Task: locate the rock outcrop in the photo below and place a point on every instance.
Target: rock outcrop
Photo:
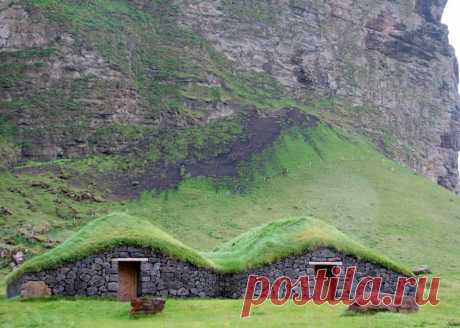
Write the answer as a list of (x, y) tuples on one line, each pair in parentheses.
[(80, 90)]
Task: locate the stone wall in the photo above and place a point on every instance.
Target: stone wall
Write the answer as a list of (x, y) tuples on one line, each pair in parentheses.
[(233, 286), (97, 275)]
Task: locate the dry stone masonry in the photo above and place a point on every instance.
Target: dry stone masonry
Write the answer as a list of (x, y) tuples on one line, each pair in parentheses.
[(98, 275)]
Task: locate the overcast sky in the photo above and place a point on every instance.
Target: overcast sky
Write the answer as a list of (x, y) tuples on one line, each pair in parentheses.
[(452, 19)]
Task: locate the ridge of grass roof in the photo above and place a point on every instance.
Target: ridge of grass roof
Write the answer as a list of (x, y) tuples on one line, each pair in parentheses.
[(292, 236), (259, 246), (113, 230)]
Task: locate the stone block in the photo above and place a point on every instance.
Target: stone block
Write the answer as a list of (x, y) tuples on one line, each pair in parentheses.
[(85, 277), (112, 287), (183, 292), (97, 281), (92, 291), (35, 289)]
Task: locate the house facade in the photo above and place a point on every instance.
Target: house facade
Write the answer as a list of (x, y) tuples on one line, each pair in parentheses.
[(127, 272)]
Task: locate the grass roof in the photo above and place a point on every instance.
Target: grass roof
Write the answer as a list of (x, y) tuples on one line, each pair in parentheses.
[(117, 229), (271, 242), (259, 246)]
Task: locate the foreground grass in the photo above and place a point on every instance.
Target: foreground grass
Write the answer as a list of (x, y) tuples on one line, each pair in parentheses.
[(209, 313)]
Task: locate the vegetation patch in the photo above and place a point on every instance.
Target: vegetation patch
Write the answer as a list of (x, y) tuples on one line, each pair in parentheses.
[(44, 209), (9, 151), (251, 10), (166, 60), (14, 64), (198, 142)]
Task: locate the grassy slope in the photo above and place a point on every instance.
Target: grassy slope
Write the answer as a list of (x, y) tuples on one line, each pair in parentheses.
[(45, 211), (347, 183), (259, 246)]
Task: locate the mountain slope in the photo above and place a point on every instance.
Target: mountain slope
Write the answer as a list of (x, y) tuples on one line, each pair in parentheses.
[(99, 77)]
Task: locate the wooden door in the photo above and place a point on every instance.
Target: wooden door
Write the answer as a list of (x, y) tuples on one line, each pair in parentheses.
[(328, 268), (128, 279)]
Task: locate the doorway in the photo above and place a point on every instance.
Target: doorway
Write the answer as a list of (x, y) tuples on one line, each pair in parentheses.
[(128, 280), (329, 274)]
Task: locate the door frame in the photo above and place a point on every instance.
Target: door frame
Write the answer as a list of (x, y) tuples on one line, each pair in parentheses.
[(328, 267), (135, 263)]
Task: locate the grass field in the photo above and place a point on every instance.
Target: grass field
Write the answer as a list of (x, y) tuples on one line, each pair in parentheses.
[(210, 313), (338, 178)]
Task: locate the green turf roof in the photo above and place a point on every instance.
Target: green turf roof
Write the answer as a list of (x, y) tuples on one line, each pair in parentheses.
[(117, 229), (271, 242), (259, 246)]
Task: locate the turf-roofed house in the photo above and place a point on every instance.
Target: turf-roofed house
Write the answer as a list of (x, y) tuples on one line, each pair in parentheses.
[(124, 256)]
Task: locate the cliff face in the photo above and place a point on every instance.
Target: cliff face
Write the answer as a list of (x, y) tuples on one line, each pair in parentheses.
[(136, 77), (387, 64), (55, 90)]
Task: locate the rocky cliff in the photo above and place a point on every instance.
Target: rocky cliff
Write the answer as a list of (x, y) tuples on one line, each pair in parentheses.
[(183, 88)]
